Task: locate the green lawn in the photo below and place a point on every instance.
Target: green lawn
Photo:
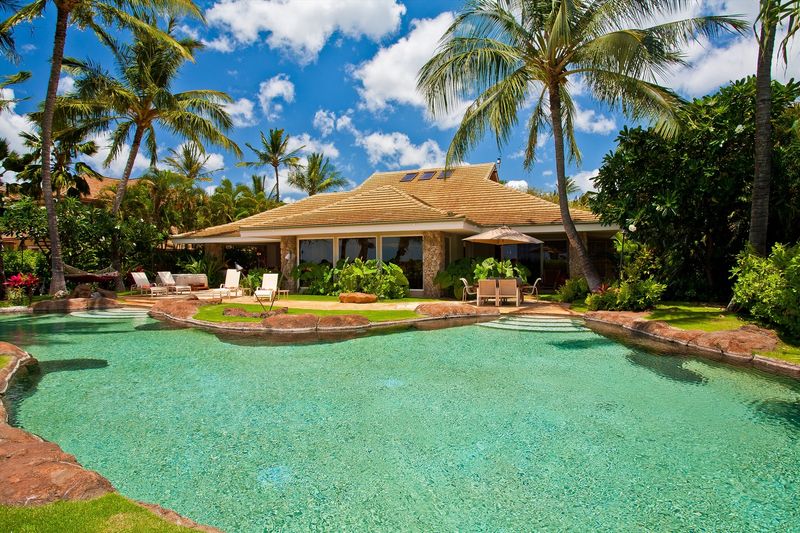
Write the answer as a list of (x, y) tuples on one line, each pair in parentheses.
[(213, 313), (108, 514), (685, 315), (4, 359)]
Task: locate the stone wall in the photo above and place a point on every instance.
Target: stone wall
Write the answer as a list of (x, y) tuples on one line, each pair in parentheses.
[(288, 246), (432, 261)]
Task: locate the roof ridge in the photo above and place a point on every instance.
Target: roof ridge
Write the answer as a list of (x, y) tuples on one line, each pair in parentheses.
[(411, 197)]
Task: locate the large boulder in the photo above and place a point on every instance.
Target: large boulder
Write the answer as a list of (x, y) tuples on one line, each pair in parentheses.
[(306, 322), (69, 305), (444, 310), (35, 472), (342, 321), (357, 298), (82, 290), (176, 307), (746, 340)]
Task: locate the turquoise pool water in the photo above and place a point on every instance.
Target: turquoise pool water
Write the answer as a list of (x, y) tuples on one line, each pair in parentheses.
[(464, 429)]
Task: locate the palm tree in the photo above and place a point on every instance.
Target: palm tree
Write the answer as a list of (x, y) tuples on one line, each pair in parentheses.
[(512, 52), (276, 154), (771, 15), (141, 98), (191, 161), (318, 175), (94, 15)]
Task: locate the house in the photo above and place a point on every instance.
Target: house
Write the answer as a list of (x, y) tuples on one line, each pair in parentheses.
[(418, 220)]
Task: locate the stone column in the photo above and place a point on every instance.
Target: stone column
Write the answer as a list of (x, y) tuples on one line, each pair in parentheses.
[(288, 247), (215, 250), (574, 265), (432, 261)]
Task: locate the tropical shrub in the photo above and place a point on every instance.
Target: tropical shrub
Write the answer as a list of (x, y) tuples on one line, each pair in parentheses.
[(386, 280), (450, 277), (210, 265), (492, 268), (768, 288), (572, 290), (316, 278), (629, 295), (27, 262), (21, 286)]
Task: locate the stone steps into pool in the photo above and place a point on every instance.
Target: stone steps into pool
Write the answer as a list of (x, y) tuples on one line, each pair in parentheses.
[(114, 313), (540, 324)]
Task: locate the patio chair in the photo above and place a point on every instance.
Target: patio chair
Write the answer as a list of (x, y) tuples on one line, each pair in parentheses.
[(231, 285), (508, 289), (469, 290), (169, 282), (143, 285), (487, 290), (268, 289), (531, 290)]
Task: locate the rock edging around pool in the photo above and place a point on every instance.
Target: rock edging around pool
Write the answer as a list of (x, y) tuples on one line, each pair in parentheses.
[(731, 346), (182, 311), (34, 471)]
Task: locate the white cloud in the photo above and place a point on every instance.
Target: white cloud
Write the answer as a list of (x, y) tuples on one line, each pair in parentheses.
[(592, 122), (277, 87), (66, 84), (310, 145), (390, 76), (547, 173), (585, 179), (188, 31), (222, 43), (325, 122), (26, 48), (117, 166), (241, 112), (210, 189), (396, 150), (345, 123), (12, 124), (301, 28), (216, 161), (519, 185)]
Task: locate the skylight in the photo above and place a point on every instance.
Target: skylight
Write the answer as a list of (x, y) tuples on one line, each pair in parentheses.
[(427, 175), (445, 174), (408, 177)]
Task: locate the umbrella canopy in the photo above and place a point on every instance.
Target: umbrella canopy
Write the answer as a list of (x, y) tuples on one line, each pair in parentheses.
[(503, 235)]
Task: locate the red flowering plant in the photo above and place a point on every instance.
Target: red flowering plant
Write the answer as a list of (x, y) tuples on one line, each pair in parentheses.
[(21, 285)]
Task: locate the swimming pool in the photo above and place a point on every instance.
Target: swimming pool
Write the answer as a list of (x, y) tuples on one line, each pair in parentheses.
[(465, 428)]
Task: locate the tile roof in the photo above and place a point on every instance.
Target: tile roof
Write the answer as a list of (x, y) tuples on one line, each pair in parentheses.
[(470, 192)]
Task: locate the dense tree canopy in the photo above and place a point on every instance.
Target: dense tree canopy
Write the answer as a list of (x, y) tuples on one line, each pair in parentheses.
[(689, 197)]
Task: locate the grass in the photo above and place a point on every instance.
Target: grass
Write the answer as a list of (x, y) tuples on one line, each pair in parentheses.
[(213, 313), (4, 359), (108, 514), (696, 316)]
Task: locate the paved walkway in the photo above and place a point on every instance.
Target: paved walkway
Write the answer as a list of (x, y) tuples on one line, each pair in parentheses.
[(528, 307)]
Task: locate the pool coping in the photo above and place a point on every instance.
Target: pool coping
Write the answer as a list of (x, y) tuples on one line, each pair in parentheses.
[(23, 361), (648, 339)]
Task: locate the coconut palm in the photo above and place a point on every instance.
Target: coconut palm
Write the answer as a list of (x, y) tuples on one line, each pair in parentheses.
[(275, 152), (317, 175), (505, 55), (191, 161), (85, 14), (140, 98)]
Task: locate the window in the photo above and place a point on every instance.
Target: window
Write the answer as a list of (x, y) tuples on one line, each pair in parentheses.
[(363, 248), (427, 175), (556, 263), (408, 177), (316, 251), (445, 174), (405, 252)]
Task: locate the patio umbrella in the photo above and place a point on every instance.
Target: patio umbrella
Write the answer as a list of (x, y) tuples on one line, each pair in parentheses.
[(503, 235)]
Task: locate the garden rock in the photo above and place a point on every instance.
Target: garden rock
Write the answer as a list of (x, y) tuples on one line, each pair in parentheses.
[(456, 309), (84, 290), (291, 322), (178, 308), (357, 298), (342, 321), (69, 305)]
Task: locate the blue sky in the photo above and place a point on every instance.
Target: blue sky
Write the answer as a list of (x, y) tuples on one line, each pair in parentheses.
[(339, 76)]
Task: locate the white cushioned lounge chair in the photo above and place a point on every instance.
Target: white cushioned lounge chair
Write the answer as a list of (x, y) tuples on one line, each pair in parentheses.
[(143, 285), (169, 282)]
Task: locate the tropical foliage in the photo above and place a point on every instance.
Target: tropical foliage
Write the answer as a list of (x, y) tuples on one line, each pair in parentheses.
[(633, 295), (513, 52), (275, 152), (475, 268), (386, 280), (317, 175), (689, 197), (768, 288)]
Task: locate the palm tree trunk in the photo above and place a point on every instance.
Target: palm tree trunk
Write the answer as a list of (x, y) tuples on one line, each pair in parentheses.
[(57, 282), (126, 175), (759, 210), (589, 271), (277, 185)]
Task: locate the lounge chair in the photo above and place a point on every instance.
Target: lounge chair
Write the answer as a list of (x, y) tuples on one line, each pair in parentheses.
[(531, 290), (169, 282), (231, 285), (143, 285), (469, 290), (268, 289), (509, 289), (487, 290)]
